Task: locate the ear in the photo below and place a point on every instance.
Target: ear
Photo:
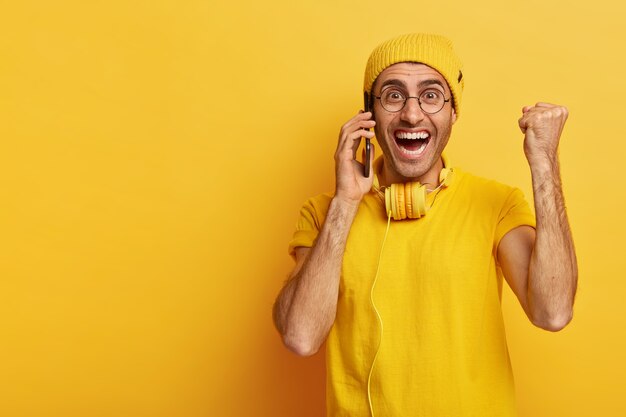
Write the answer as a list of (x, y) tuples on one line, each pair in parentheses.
[(453, 116)]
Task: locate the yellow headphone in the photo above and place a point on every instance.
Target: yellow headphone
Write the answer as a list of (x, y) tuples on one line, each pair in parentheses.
[(408, 201)]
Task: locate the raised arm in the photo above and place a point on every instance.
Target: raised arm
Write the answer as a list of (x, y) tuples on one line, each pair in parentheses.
[(305, 308), (541, 266)]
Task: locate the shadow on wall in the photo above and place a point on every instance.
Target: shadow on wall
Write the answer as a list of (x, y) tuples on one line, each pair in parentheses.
[(285, 384), (296, 384)]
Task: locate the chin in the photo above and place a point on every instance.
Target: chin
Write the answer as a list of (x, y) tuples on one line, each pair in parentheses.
[(413, 175), (413, 168), (409, 170)]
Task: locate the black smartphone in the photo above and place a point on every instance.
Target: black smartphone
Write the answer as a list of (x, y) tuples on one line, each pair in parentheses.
[(366, 163)]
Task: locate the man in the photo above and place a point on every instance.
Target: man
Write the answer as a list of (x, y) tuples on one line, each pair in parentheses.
[(410, 309)]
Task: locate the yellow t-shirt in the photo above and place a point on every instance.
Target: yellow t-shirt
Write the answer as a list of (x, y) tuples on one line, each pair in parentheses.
[(443, 349)]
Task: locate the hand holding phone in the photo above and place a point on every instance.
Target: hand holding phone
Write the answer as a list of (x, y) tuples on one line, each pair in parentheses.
[(368, 145), (353, 179)]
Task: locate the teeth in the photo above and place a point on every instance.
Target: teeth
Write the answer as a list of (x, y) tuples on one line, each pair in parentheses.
[(414, 135), (416, 152)]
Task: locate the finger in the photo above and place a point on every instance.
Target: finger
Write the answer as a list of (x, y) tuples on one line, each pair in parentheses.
[(363, 121), (367, 124), (548, 111), (543, 104), (351, 143), (358, 121), (526, 108), (522, 124), (353, 126), (348, 137), (361, 115), (356, 142)]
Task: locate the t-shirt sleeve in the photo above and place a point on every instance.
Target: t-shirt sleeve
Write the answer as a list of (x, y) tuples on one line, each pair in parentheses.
[(515, 212), (312, 215)]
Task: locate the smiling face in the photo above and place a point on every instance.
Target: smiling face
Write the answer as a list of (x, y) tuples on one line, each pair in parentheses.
[(411, 140)]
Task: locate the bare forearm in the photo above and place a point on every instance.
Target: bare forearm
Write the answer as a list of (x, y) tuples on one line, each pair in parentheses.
[(305, 309), (553, 271)]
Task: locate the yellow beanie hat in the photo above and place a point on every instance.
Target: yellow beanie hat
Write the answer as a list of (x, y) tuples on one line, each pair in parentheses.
[(435, 51)]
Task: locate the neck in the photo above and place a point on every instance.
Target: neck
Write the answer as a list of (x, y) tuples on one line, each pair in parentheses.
[(388, 176)]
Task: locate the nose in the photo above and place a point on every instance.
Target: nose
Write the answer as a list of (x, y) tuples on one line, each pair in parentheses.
[(412, 112)]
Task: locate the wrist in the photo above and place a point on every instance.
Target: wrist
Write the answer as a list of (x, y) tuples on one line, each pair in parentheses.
[(345, 204), (541, 164), (545, 175), (347, 199)]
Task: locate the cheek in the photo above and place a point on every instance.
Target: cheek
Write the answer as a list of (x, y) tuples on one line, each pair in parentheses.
[(381, 132), (382, 123), (382, 138), (378, 133)]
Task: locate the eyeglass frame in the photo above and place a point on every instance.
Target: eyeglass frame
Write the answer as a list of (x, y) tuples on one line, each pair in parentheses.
[(419, 102)]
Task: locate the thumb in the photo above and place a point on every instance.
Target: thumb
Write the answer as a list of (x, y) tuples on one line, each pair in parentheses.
[(522, 124)]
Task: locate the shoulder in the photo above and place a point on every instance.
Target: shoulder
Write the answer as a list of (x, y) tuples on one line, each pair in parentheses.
[(316, 208), (481, 186), (312, 216), (321, 201), (489, 196)]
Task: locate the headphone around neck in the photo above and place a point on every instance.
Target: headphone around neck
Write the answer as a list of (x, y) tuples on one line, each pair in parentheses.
[(409, 200)]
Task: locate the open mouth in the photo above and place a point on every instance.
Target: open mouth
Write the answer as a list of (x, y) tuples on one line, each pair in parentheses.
[(412, 143)]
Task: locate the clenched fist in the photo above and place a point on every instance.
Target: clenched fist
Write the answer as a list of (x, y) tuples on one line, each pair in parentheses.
[(542, 124)]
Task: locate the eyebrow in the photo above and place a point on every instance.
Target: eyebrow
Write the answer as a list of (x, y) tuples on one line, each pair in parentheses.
[(422, 84)]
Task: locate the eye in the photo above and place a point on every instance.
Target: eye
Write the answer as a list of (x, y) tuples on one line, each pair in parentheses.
[(393, 96), (431, 96)]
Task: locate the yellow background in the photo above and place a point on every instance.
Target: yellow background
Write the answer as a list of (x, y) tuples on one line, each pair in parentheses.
[(154, 155)]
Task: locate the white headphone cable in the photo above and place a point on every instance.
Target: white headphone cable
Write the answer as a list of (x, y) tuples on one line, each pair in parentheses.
[(380, 255)]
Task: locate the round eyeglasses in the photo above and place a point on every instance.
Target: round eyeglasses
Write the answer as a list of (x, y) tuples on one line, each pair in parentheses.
[(430, 101)]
